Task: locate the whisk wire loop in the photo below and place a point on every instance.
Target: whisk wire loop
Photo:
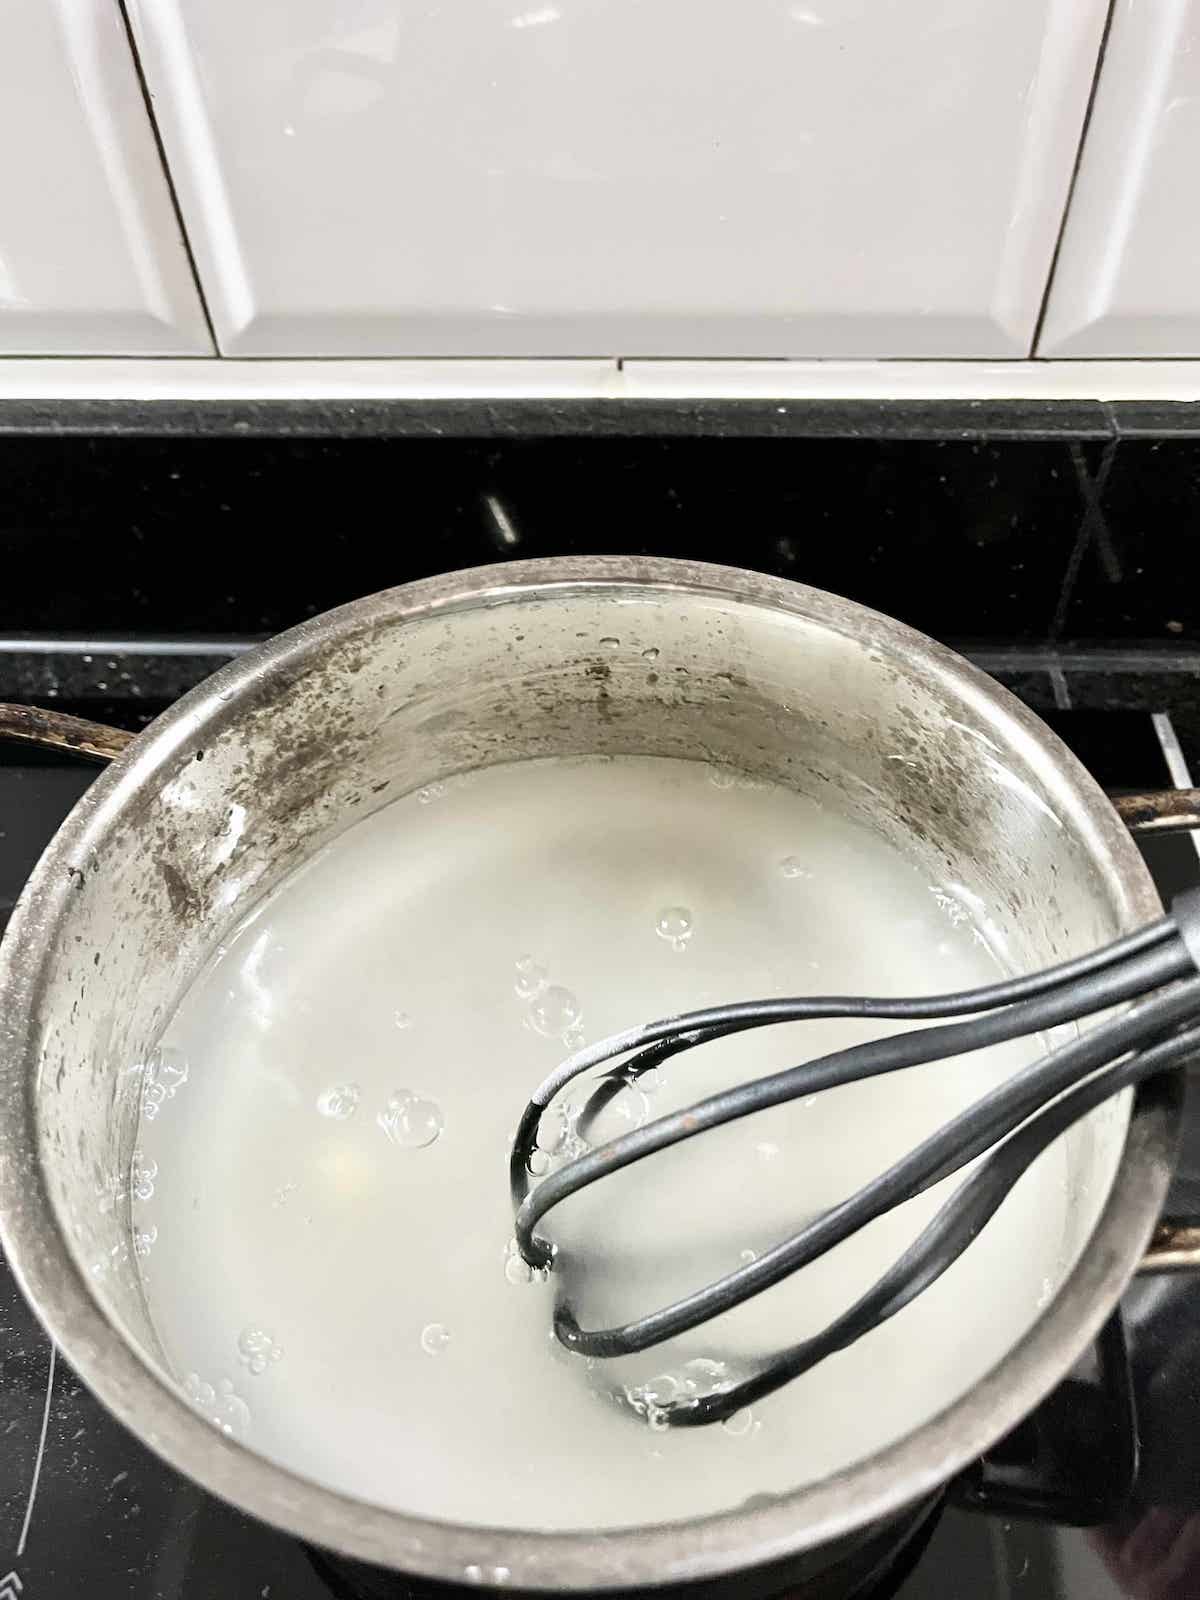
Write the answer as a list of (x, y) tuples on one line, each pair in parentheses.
[(1155, 968)]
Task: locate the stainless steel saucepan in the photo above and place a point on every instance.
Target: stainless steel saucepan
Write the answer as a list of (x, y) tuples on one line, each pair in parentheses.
[(260, 766)]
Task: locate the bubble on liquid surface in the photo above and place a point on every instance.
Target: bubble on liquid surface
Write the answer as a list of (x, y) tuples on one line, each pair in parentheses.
[(257, 1350), (704, 1376), (232, 1414), (740, 1424), (643, 1398), (627, 1110), (518, 1271), (402, 1019), (698, 1378), (793, 867), (661, 1390), (226, 1410), (142, 1175), (164, 1073), (143, 1243), (539, 1163), (531, 978), (554, 1012), (650, 1081), (434, 1338), (430, 793), (722, 778), (339, 1101), (410, 1121), (651, 652), (747, 1256), (572, 1143), (552, 1131), (609, 643), (674, 924), (198, 1392)]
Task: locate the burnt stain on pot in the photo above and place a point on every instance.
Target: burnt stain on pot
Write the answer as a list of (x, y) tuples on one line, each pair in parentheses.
[(600, 672), (186, 904)]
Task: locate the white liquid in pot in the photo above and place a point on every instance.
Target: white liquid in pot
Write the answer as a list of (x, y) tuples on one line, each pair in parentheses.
[(321, 1205)]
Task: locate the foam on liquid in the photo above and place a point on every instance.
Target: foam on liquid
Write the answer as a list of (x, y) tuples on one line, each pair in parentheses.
[(321, 1171)]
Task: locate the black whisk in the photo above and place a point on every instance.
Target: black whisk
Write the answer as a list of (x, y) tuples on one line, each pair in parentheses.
[(1157, 967)]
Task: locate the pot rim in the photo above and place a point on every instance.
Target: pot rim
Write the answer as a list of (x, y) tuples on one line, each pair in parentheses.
[(833, 1508)]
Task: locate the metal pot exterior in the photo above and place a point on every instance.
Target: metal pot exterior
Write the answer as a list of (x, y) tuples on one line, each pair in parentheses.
[(287, 746)]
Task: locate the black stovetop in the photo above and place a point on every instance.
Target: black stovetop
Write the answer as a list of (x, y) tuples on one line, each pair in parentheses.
[(85, 1510)]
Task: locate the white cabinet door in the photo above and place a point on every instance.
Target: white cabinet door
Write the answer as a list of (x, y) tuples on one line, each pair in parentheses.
[(1127, 281), (91, 257), (622, 177)]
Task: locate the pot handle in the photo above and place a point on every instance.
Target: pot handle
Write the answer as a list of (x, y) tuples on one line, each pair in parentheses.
[(1161, 811), (1175, 1245), (58, 731)]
